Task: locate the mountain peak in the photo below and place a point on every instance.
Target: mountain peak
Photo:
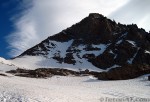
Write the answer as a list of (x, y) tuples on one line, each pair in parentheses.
[(98, 40), (95, 15), (95, 26)]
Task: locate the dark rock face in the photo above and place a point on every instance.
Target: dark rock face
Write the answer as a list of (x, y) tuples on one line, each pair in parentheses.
[(1, 74), (149, 78), (69, 59), (103, 61), (99, 40), (123, 73)]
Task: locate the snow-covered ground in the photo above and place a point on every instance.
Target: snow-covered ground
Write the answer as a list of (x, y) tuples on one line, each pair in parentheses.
[(68, 88)]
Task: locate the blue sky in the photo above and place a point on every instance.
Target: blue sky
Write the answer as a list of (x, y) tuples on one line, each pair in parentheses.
[(25, 23), (8, 9)]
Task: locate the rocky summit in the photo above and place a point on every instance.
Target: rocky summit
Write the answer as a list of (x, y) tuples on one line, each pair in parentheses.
[(100, 41)]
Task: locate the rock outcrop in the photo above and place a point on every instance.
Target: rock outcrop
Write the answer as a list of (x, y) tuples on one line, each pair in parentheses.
[(49, 72), (123, 73)]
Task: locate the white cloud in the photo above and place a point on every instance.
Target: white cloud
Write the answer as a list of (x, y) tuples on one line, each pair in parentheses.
[(48, 17), (135, 11)]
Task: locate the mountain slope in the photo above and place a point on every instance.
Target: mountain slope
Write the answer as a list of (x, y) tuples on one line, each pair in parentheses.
[(97, 41), (6, 65)]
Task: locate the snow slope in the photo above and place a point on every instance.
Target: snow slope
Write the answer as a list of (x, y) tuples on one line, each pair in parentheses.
[(43, 56), (6, 65), (70, 89), (4, 61), (34, 62)]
